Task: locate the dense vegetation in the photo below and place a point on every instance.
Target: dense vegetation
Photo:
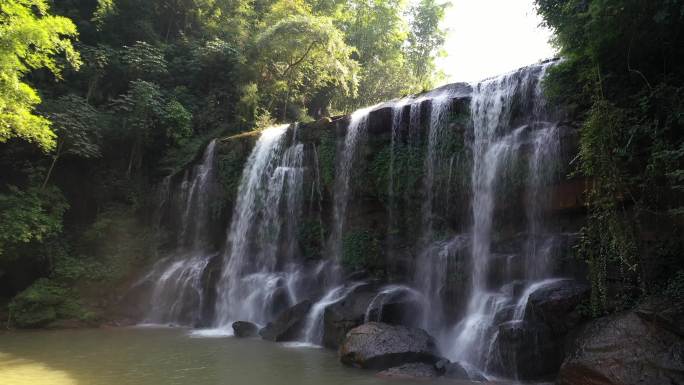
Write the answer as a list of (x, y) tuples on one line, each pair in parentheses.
[(99, 98), (623, 77)]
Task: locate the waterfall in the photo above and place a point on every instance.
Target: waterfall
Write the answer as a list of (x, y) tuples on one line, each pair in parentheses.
[(439, 110), (509, 124), (259, 276), (177, 295), (313, 329), (356, 133), (388, 293)]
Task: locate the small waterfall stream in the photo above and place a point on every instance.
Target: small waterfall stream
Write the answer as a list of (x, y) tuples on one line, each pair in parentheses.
[(177, 296), (259, 278), (356, 133)]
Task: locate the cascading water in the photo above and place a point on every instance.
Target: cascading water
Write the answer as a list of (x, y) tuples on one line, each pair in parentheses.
[(177, 296), (356, 133), (313, 329), (374, 311), (355, 136), (501, 140), (259, 277)]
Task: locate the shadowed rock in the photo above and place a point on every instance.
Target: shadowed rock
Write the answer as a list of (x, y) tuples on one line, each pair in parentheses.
[(288, 325), (624, 349), (555, 305), (381, 346), (244, 329)]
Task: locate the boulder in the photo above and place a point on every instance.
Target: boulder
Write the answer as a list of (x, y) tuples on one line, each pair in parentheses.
[(665, 312), (410, 371), (346, 314), (244, 329), (376, 345), (288, 324), (342, 316), (555, 305), (624, 349), (525, 350), (452, 370)]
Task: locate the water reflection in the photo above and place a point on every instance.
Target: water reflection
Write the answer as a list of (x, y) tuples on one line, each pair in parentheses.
[(20, 371)]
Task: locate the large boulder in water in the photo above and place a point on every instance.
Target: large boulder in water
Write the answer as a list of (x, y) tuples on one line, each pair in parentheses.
[(342, 316), (555, 305), (244, 329), (288, 325), (453, 370), (376, 345), (624, 349)]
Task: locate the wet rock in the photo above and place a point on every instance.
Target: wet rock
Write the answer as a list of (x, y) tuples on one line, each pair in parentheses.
[(411, 371), (624, 349), (376, 345), (665, 312), (524, 350), (288, 325), (342, 316), (452, 370), (397, 309), (555, 305), (244, 329)]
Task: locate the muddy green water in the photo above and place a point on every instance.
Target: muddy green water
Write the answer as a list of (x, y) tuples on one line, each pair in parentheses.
[(134, 356)]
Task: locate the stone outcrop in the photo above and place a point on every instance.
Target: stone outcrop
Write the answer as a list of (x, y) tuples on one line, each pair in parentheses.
[(624, 349), (555, 305), (287, 326), (340, 317), (377, 345), (244, 329)]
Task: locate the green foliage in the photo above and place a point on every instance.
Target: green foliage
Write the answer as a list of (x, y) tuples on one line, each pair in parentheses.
[(405, 174), (622, 76), (675, 287), (143, 60), (229, 163), (30, 216), (311, 237), (30, 38), (76, 124), (426, 40), (302, 53), (45, 302), (360, 249), (118, 242), (326, 158)]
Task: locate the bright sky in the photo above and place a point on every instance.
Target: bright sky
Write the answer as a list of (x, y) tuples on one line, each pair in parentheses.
[(490, 37)]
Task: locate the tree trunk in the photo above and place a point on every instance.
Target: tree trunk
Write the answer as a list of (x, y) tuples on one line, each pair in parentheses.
[(52, 166)]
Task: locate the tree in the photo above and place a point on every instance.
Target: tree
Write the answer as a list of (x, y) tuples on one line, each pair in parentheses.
[(425, 40), (30, 215), (30, 38), (301, 54), (76, 124)]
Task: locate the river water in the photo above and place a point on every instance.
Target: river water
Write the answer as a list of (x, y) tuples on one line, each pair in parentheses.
[(156, 356)]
